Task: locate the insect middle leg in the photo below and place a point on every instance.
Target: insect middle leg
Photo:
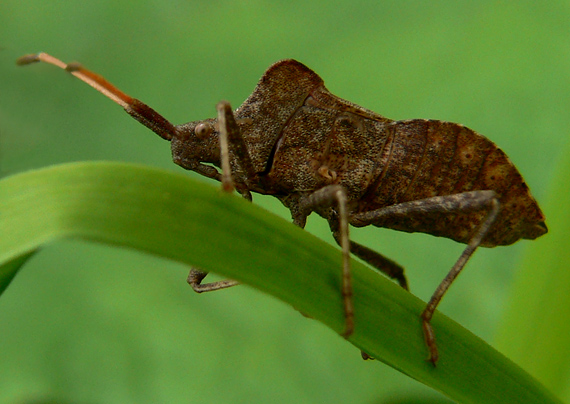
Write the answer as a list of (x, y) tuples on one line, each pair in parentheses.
[(373, 258), (323, 199), (457, 203)]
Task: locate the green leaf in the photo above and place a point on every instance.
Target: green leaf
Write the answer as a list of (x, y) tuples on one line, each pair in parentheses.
[(175, 217), (536, 331)]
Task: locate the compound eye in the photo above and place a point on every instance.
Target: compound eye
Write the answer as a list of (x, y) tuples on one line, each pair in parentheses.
[(202, 130)]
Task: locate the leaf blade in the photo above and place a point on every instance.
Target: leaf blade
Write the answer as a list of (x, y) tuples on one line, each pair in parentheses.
[(535, 332), (166, 214)]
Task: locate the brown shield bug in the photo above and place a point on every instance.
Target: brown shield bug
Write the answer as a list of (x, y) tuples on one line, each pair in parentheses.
[(316, 152)]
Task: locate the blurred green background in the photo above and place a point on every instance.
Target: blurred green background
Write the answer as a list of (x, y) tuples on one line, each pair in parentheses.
[(85, 323)]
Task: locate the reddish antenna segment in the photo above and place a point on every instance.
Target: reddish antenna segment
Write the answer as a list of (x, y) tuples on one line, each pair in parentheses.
[(137, 109)]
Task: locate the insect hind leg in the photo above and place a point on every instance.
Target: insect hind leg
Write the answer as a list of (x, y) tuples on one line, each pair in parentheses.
[(452, 204), (472, 245)]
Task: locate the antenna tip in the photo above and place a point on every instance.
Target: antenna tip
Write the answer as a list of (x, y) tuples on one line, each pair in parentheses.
[(28, 59)]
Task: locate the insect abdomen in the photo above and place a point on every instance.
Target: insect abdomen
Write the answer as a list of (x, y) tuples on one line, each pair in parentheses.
[(426, 158)]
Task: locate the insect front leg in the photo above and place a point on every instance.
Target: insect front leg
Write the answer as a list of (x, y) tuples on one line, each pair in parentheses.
[(327, 197), (233, 153), (457, 203), (195, 280)]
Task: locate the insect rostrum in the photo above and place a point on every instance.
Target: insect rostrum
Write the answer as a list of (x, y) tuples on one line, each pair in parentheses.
[(316, 152)]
